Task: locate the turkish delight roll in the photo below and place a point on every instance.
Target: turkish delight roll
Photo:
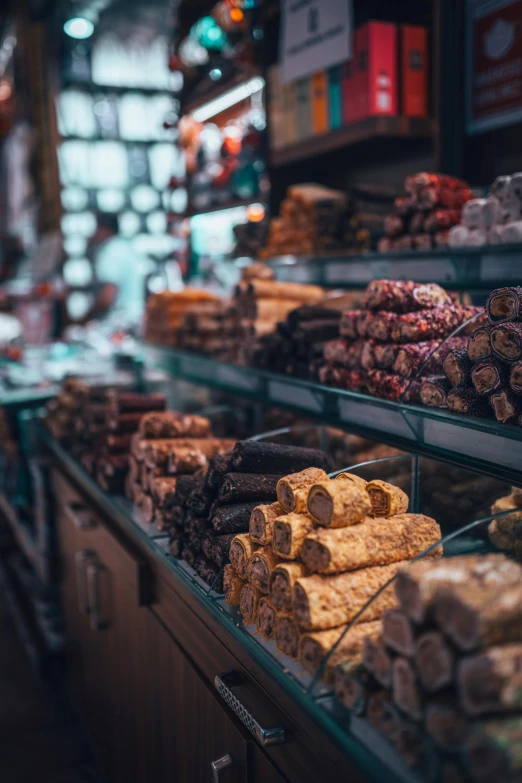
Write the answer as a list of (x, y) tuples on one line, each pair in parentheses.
[(232, 585), (385, 355), (457, 367), (426, 357), (328, 601), (491, 681), (378, 660), (287, 635), (403, 296), (241, 550), (171, 424), (431, 324), (266, 618), (392, 387), (386, 499), (398, 633), (504, 304), (348, 324), (218, 467), (381, 325), (466, 400), (289, 533), (260, 566), (506, 405), (489, 375), (249, 603), (292, 491), (232, 519), (261, 526), (515, 378), (281, 584), (479, 343), (370, 543), (434, 391), (242, 487), (220, 548), (406, 692), (338, 503), (250, 456), (315, 645), (506, 341), (434, 661)]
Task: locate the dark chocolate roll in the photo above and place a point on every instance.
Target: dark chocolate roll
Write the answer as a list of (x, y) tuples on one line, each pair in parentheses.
[(185, 485), (504, 304), (195, 529), (234, 518), (188, 554), (506, 405), (466, 400), (217, 468), (515, 378), (506, 341), (313, 331), (457, 367), (124, 423), (199, 501), (130, 402), (311, 313), (176, 543), (434, 391), (250, 456), (220, 548), (479, 343), (489, 375), (242, 487)]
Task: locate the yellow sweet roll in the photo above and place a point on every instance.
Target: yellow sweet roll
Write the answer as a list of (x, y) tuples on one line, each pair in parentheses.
[(289, 533), (314, 646), (338, 503), (241, 550), (386, 500), (232, 585), (357, 480), (371, 543), (262, 522), (249, 603), (259, 568), (281, 585), (292, 490)]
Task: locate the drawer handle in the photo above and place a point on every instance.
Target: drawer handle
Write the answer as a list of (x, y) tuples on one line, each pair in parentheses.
[(93, 571), (80, 559), (79, 516), (265, 736), (225, 762)]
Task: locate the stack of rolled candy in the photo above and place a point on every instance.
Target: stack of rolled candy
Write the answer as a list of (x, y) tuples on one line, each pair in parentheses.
[(388, 348), (164, 313), (311, 562), (486, 376), (494, 220), (440, 680), (211, 509), (505, 532), (422, 219)]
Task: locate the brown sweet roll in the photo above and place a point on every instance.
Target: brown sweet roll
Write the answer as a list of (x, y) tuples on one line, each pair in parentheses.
[(504, 304), (175, 543), (232, 585), (370, 543), (188, 554), (113, 444), (343, 353), (209, 573), (125, 423), (200, 501), (206, 543), (249, 603), (232, 519), (391, 387), (386, 500), (322, 602), (281, 585), (465, 400), (266, 618), (380, 325), (130, 402), (171, 424), (287, 635), (243, 487), (251, 456), (445, 723), (260, 566), (427, 357), (218, 467), (353, 685), (292, 490), (515, 378), (509, 524), (367, 360), (339, 378), (398, 633), (434, 391), (434, 661), (157, 453), (431, 324), (506, 341), (457, 367), (403, 296), (261, 525), (290, 531), (405, 688), (220, 548), (163, 490), (416, 584), (479, 343), (506, 405), (241, 550), (348, 324), (382, 714), (415, 750), (195, 529), (378, 660), (491, 681), (315, 645), (489, 375), (338, 503), (385, 355), (358, 481)]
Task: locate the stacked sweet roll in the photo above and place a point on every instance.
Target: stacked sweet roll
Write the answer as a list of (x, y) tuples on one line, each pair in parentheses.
[(385, 345), (164, 313), (441, 678)]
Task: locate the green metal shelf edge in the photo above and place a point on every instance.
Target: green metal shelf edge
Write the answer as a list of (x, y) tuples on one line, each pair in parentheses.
[(357, 752), (26, 397), (477, 444)]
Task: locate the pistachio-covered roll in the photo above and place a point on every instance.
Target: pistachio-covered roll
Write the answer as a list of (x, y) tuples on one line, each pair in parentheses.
[(287, 635), (266, 618), (292, 490), (249, 603), (260, 566), (314, 646), (241, 550), (386, 500), (289, 533), (338, 503), (261, 527), (232, 585), (281, 584)]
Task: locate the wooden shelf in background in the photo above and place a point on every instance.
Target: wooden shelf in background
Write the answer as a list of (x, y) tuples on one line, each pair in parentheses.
[(355, 133)]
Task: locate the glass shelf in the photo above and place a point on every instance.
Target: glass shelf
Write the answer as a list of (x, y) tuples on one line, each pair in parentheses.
[(479, 444), (487, 267)]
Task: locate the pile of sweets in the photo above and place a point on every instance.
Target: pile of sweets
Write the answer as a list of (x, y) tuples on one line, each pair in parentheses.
[(505, 532), (384, 346), (423, 218), (494, 220), (312, 560), (485, 376), (164, 313), (314, 220), (205, 512), (441, 678)]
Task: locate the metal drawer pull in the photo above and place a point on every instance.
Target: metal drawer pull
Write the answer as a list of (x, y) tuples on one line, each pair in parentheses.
[(266, 736), (80, 559), (93, 571), (79, 516), (216, 766)]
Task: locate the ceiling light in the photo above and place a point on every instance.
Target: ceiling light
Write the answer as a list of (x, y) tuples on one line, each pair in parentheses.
[(228, 99), (79, 27), (215, 74)]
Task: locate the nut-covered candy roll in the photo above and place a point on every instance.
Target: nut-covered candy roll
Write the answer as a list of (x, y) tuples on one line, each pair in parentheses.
[(328, 601), (352, 686), (348, 324), (466, 400), (171, 424), (515, 378), (381, 325), (385, 355), (261, 526), (391, 387), (287, 635), (489, 375), (244, 487), (220, 548), (504, 304), (434, 391), (232, 519), (232, 585), (457, 367), (292, 491), (281, 584), (372, 542), (431, 324), (403, 296), (506, 405), (386, 500), (479, 343), (338, 503), (250, 456), (259, 568), (510, 524), (241, 550), (289, 533), (314, 646), (426, 357), (266, 618), (506, 342), (249, 603)]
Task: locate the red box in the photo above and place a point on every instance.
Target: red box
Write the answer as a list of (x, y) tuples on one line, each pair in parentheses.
[(376, 74), (348, 84), (414, 71)]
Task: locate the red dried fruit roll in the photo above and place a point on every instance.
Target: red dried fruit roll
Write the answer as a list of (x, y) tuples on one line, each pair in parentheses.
[(344, 353), (385, 355), (479, 343), (489, 375), (430, 197), (515, 378), (368, 355), (363, 322), (506, 405), (403, 205), (504, 304), (394, 225), (339, 378), (457, 367), (348, 324), (434, 391), (441, 220), (412, 356), (422, 179), (431, 324), (506, 341), (416, 223), (392, 387), (403, 296), (379, 325), (466, 400)]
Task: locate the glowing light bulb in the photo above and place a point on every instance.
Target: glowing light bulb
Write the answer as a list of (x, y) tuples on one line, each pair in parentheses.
[(79, 27)]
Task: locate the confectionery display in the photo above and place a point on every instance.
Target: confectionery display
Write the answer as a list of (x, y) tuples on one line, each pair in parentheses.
[(314, 219), (164, 313), (423, 218), (493, 220)]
